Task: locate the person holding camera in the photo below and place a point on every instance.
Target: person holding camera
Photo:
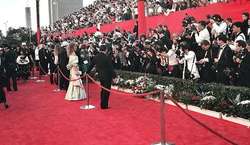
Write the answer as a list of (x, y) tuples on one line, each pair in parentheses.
[(218, 25), (202, 32), (240, 54), (190, 70), (206, 62)]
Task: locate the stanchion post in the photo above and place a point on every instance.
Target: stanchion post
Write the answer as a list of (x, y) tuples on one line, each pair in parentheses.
[(33, 73), (88, 106), (162, 122), (40, 78)]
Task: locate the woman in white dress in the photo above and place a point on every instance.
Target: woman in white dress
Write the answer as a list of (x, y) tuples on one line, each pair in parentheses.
[(75, 90)]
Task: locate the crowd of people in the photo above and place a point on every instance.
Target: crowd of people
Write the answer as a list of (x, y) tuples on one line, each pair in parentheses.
[(213, 50), (108, 11)]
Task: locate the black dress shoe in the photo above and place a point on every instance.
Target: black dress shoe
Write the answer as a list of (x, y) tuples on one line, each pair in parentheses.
[(104, 107), (6, 106)]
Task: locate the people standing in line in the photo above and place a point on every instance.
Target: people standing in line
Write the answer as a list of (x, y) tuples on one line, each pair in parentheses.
[(3, 80), (75, 90), (104, 68), (11, 68)]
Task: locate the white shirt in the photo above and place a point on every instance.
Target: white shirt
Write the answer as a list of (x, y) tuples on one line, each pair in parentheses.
[(172, 60), (219, 28), (37, 53), (190, 58), (203, 35)]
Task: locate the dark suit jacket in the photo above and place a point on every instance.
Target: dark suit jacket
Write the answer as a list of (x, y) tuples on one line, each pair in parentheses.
[(244, 79), (226, 59), (104, 66)]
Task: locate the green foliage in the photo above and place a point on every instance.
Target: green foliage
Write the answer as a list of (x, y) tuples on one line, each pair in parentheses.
[(185, 91)]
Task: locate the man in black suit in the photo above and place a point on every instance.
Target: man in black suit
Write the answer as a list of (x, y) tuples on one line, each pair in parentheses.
[(62, 62), (104, 68), (206, 62), (2, 80), (224, 61), (11, 68), (244, 70), (43, 57)]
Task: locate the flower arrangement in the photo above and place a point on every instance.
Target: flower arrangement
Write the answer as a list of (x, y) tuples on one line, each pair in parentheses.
[(168, 90), (143, 84)]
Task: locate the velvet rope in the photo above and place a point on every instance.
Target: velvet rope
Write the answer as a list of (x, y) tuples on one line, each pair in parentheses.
[(202, 124), (42, 69), (121, 92), (69, 78)]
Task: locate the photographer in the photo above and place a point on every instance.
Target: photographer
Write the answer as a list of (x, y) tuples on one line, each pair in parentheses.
[(206, 62), (218, 26), (240, 54), (190, 70), (202, 32)]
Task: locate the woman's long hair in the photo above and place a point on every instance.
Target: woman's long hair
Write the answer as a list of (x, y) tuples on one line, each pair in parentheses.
[(71, 49), (56, 50)]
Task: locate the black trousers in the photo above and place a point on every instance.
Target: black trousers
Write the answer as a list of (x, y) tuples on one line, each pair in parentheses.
[(105, 82), (64, 83), (11, 74), (2, 95)]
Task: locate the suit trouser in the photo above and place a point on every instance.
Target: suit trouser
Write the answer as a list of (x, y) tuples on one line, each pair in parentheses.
[(11, 75), (2, 95), (105, 82)]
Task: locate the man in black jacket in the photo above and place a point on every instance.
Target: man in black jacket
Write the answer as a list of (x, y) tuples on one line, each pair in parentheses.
[(244, 70), (224, 61), (11, 68), (104, 68), (2, 80)]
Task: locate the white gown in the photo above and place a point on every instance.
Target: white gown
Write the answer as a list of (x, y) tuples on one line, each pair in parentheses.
[(75, 90)]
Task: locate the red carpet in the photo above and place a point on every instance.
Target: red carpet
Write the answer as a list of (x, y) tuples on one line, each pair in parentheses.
[(38, 116)]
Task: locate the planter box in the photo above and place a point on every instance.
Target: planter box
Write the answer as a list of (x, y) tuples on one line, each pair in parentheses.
[(210, 113)]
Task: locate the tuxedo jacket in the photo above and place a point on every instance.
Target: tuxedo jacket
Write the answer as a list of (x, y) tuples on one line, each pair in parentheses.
[(244, 71), (226, 59), (103, 65)]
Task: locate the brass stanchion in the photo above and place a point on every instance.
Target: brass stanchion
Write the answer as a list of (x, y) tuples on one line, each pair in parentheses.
[(163, 121), (88, 106), (40, 77)]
